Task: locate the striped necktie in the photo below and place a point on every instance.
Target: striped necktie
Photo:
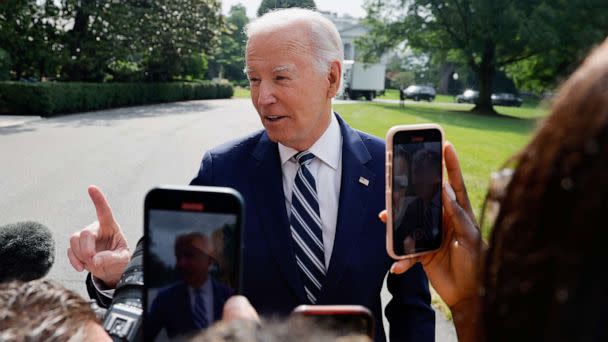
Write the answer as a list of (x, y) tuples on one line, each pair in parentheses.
[(306, 228), (199, 315)]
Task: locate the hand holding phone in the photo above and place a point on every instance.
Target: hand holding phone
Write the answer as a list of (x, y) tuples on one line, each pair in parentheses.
[(413, 190), (454, 269)]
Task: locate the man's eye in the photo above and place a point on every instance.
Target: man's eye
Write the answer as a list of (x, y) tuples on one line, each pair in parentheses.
[(281, 78), (254, 80)]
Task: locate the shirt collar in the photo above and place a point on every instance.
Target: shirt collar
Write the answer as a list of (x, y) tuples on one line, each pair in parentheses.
[(327, 148), (206, 287)]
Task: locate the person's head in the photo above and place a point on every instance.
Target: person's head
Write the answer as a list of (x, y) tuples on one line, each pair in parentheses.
[(401, 178), (426, 173), (294, 64), (194, 254), (547, 252), (43, 310)]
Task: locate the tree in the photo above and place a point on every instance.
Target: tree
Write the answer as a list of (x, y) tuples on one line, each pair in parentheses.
[(487, 35), (29, 35), (159, 38), (171, 31), (269, 5), (581, 25), (228, 59), (95, 38)]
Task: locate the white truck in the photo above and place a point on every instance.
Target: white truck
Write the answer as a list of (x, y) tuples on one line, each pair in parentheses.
[(361, 79)]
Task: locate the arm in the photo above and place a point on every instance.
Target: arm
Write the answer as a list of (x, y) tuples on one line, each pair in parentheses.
[(409, 312), (103, 298), (205, 172)]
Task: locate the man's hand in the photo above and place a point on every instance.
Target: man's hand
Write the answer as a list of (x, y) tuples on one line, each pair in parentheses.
[(100, 247)]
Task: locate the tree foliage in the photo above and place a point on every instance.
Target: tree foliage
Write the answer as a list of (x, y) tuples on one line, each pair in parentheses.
[(29, 34), (91, 40), (269, 5), (488, 35), (228, 59)]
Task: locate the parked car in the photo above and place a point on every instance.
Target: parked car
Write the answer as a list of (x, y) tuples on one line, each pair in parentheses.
[(419, 92), (506, 99), (469, 96)]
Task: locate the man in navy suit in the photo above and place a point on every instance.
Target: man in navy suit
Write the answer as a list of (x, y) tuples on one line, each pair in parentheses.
[(313, 187), (177, 307)]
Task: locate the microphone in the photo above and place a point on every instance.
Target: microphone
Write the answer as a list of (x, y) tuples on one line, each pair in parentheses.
[(27, 251)]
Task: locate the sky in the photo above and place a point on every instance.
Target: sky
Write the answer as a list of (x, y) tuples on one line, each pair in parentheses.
[(165, 226), (352, 7)]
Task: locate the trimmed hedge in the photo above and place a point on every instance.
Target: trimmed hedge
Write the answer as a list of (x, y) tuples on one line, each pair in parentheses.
[(48, 98)]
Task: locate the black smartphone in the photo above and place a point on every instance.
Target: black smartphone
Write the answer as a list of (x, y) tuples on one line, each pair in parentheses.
[(342, 319), (414, 179), (192, 258)]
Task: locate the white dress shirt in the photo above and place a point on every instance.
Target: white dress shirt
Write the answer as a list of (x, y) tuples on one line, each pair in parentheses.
[(326, 168), (207, 296)]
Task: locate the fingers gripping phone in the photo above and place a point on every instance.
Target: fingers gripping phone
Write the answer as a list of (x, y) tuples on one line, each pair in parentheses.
[(192, 258), (342, 319), (414, 175)]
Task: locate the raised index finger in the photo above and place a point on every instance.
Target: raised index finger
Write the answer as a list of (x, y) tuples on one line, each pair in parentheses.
[(104, 212)]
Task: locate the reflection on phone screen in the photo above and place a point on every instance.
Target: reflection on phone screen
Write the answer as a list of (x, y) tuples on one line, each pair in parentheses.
[(416, 192), (190, 261)]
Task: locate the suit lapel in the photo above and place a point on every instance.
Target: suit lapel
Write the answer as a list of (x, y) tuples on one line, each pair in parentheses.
[(352, 207), (267, 180)]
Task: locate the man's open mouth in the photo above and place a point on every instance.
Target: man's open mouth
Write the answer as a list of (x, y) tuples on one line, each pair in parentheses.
[(273, 118)]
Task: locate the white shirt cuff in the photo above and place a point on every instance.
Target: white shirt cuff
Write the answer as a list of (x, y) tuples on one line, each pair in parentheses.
[(100, 287)]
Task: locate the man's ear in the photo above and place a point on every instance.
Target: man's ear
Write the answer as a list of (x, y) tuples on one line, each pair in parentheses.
[(334, 77)]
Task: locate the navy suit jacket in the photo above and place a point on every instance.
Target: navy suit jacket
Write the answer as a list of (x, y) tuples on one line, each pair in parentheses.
[(359, 261), (172, 310)]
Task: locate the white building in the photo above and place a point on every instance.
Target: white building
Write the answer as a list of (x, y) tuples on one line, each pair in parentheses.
[(350, 28)]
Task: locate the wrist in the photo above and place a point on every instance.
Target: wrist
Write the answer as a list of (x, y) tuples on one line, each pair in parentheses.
[(467, 320), (105, 284)]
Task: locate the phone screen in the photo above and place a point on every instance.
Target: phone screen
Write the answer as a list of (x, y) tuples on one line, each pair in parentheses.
[(191, 263), (341, 319), (416, 191)]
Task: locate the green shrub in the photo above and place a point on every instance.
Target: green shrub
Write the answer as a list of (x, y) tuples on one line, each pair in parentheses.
[(48, 98)]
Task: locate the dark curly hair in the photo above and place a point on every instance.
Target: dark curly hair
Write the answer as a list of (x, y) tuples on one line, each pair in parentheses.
[(543, 272)]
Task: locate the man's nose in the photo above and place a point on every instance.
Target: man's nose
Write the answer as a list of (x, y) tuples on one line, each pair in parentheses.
[(266, 94)]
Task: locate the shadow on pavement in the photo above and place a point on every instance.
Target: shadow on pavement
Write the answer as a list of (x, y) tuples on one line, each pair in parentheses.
[(111, 117)]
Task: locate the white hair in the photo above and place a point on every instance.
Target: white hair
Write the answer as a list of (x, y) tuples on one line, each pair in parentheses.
[(324, 37)]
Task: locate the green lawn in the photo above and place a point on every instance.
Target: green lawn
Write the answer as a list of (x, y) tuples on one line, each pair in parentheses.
[(393, 94), (483, 143), (240, 92)]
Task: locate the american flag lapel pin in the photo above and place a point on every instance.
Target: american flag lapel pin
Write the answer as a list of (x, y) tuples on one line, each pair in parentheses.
[(364, 181)]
